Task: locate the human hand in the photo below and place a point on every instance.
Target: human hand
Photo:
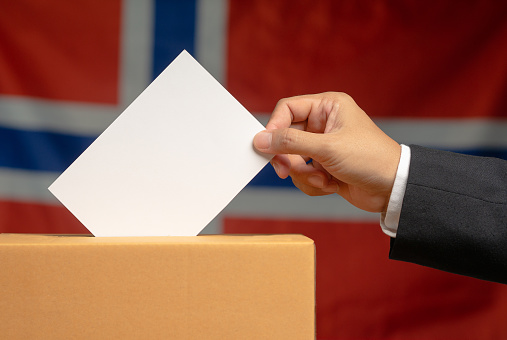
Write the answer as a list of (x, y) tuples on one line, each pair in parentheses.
[(349, 154)]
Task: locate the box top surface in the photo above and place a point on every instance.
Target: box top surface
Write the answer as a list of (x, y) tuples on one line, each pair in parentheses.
[(41, 239)]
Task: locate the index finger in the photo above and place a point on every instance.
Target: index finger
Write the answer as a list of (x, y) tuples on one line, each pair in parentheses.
[(291, 110)]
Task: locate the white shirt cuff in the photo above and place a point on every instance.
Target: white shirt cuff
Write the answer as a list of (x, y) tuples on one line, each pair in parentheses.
[(389, 220)]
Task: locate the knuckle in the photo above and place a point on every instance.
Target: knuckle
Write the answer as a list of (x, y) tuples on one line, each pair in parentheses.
[(304, 188), (282, 102), (342, 96), (338, 98), (288, 137)]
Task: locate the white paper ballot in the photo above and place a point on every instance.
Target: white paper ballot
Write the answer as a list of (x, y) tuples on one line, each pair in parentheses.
[(169, 163)]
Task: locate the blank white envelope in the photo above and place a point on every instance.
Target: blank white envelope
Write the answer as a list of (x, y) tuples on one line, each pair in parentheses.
[(169, 163)]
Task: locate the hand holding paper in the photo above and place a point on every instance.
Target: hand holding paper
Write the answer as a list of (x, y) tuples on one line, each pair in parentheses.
[(345, 146)]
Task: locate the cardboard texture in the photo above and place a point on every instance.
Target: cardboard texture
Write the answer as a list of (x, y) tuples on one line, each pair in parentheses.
[(204, 287)]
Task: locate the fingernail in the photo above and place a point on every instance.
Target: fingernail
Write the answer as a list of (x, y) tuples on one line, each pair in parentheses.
[(316, 181), (331, 187), (262, 140), (275, 166)]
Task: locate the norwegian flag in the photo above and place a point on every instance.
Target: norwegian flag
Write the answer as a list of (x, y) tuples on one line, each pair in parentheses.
[(433, 74)]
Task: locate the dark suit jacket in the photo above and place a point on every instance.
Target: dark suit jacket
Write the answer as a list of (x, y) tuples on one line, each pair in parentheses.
[(454, 214)]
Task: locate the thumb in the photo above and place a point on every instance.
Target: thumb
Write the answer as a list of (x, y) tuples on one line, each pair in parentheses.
[(288, 141)]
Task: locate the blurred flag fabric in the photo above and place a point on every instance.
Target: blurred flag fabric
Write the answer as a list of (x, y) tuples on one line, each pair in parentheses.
[(433, 74)]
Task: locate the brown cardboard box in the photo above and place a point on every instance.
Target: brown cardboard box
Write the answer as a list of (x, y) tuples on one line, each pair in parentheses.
[(204, 287)]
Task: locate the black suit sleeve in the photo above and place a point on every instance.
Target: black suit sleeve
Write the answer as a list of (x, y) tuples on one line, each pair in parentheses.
[(454, 214)]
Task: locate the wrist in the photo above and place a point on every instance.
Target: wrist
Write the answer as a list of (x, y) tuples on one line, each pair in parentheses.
[(392, 161)]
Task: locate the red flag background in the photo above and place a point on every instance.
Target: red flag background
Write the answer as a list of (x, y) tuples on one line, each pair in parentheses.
[(397, 59), (433, 74)]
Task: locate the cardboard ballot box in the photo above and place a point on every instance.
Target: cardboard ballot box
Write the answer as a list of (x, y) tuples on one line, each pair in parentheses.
[(203, 287)]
